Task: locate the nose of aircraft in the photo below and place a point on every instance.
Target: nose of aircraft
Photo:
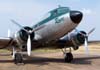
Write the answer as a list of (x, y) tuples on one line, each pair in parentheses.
[(76, 16)]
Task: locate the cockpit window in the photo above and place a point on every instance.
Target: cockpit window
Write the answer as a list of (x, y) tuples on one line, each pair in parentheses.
[(47, 15), (55, 12)]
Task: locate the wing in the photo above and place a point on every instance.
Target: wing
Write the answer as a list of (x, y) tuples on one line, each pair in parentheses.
[(5, 42)]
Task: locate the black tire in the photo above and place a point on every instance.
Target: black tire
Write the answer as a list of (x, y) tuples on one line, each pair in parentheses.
[(18, 58), (68, 57)]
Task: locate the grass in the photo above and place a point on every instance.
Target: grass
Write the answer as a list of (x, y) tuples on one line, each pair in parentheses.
[(47, 50), (38, 50), (4, 50)]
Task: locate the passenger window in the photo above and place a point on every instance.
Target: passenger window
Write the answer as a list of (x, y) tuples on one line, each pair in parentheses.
[(55, 12), (60, 11)]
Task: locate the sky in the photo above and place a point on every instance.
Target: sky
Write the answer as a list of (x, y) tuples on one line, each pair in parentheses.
[(29, 12)]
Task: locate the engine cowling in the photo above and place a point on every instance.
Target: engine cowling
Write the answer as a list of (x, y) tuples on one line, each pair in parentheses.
[(73, 40), (79, 38), (22, 37)]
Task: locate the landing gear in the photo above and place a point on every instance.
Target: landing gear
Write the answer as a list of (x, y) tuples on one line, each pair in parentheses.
[(18, 58), (68, 57)]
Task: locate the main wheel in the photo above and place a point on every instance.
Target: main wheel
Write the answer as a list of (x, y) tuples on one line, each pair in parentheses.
[(18, 58), (68, 57)]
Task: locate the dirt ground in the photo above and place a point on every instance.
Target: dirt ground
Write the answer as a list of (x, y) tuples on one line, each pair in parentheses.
[(54, 61)]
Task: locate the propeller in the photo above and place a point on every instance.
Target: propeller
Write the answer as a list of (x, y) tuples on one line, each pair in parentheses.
[(29, 45), (91, 31), (86, 45), (29, 37), (9, 32), (86, 35), (86, 40), (18, 25)]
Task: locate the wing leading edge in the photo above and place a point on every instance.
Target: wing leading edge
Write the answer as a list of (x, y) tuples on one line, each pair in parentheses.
[(6, 42)]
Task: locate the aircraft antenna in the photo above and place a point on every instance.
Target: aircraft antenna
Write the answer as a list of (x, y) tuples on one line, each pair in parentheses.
[(59, 6)]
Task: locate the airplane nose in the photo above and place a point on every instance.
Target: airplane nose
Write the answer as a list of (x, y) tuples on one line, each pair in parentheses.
[(76, 16)]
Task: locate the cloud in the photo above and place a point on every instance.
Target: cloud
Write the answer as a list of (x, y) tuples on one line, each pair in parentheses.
[(86, 11)]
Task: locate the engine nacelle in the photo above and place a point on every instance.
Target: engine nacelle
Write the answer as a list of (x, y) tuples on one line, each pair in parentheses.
[(22, 36), (73, 40)]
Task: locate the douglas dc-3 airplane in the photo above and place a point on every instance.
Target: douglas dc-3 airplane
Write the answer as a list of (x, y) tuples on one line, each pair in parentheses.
[(53, 30)]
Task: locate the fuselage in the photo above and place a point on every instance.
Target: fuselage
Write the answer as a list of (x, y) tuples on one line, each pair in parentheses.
[(53, 30), (58, 26), (58, 22)]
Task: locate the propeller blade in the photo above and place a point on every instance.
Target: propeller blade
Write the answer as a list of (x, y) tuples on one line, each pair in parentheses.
[(29, 46), (19, 25), (9, 32), (91, 31), (76, 30), (86, 46), (13, 52), (16, 23)]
